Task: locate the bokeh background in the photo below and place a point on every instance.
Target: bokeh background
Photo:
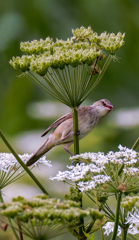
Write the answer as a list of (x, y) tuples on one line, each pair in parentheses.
[(26, 110)]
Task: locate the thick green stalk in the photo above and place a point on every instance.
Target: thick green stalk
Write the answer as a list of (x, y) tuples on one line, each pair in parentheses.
[(124, 234), (75, 130), (116, 217), (22, 164), (76, 151)]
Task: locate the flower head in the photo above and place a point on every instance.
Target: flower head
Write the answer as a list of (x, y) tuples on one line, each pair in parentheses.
[(10, 169), (58, 66), (102, 172)]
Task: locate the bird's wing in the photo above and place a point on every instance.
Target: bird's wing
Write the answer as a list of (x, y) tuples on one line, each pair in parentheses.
[(57, 122)]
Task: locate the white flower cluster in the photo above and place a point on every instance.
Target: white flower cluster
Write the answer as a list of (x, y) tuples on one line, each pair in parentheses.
[(91, 171), (109, 227), (8, 161), (132, 219)]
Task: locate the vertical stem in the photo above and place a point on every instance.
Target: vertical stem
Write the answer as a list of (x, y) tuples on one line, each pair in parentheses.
[(102, 236), (116, 217), (76, 151), (20, 231), (75, 131), (124, 234), (1, 198)]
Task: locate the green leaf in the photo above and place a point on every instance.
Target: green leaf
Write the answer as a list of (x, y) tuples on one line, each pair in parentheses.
[(88, 236)]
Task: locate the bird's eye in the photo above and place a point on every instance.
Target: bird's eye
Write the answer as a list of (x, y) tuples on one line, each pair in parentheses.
[(103, 103)]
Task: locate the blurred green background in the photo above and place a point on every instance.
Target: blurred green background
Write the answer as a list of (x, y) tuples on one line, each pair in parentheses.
[(26, 110)]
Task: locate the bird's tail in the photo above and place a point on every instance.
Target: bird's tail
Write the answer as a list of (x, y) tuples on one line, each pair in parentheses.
[(40, 152)]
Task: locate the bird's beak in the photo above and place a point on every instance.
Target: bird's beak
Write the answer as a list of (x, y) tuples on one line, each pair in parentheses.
[(109, 107)]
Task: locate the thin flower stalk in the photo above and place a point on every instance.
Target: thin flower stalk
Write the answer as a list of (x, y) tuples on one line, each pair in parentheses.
[(116, 217)]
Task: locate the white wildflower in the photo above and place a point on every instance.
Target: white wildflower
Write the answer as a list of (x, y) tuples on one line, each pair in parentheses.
[(61, 176), (85, 156), (133, 219), (77, 173), (8, 161), (93, 168), (86, 186), (109, 227), (101, 179), (131, 170)]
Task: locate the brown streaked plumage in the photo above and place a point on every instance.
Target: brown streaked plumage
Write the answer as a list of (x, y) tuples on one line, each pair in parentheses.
[(88, 118)]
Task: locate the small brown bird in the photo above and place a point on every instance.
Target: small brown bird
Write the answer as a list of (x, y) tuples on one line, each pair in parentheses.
[(88, 118)]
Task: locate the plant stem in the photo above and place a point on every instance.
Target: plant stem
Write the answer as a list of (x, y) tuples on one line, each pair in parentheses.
[(1, 198), (23, 165), (135, 144), (20, 231), (116, 216), (101, 74), (76, 151), (13, 229), (75, 130), (124, 233), (102, 236)]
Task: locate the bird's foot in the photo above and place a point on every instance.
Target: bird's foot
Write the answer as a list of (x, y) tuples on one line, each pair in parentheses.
[(75, 162), (68, 151), (78, 132)]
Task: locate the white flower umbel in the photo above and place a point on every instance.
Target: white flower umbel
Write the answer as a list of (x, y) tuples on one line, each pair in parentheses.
[(101, 172), (10, 169)]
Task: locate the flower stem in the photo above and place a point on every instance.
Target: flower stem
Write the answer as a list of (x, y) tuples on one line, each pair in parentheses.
[(76, 151), (135, 144), (23, 165), (101, 74), (75, 130), (124, 233), (116, 217), (20, 231)]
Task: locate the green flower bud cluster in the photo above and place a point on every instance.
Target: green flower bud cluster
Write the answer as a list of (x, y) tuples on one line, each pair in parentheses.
[(111, 42), (11, 209), (37, 47), (130, 202), (82, 48), (74, 195), (85, 34), (95, 214), (22, 63), (46, 209)]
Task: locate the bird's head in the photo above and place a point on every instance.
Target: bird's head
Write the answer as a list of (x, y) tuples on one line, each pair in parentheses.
[(103, 107)]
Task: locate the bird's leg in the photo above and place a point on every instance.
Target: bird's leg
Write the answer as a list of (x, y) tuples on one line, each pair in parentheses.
[(68, 151), (78, 133)]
